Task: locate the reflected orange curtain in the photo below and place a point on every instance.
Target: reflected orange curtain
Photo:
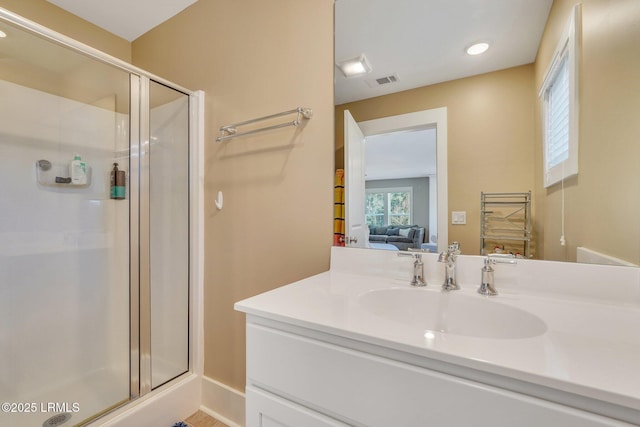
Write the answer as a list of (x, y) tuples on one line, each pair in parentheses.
[(338, 208)]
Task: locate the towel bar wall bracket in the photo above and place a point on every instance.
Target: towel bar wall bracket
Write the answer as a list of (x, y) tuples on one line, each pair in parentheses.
[(231, 131)]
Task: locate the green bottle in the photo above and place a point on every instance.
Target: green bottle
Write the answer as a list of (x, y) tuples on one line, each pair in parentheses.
[(118, 183)]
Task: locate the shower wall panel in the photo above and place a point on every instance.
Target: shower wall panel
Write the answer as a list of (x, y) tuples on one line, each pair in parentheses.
[(64, 256)]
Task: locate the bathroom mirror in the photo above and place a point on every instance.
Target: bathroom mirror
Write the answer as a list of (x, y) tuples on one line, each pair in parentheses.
[(492, 149)]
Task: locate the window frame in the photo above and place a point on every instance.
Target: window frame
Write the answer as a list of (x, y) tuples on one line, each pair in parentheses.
[(568, 47), (387, 205), (384, 211)]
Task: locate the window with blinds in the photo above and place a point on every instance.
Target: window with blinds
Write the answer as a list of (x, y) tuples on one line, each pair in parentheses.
[(557, 119), (560, 113)]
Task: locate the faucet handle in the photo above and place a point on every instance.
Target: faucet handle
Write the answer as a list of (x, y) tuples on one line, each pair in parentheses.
[(415, 255), (452, 251), (501, 259)]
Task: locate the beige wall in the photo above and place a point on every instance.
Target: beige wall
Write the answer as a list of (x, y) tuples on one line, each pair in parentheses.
[(603, 202), (57, 19), (254, 58), (490, 131)]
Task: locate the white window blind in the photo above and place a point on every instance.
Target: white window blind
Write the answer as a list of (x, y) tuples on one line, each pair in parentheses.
[(558, 116)]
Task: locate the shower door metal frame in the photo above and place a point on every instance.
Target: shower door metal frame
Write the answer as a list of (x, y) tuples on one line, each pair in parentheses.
[(134, 236), (144, 244), (140, 237)]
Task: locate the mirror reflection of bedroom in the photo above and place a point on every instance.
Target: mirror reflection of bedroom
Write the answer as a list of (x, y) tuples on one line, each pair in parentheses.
[(400, 190)]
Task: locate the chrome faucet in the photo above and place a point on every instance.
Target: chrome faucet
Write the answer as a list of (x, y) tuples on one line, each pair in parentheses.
[(486, 283), (418, 269), (449, 258)]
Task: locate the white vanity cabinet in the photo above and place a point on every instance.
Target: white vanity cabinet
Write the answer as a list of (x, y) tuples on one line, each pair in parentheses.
[(358, 346), (301, 377)]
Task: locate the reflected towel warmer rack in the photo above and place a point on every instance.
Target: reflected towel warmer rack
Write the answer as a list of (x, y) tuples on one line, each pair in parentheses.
[(230, 131)]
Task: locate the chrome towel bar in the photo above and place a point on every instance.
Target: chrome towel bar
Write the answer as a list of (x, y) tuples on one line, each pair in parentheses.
[(230, 131)]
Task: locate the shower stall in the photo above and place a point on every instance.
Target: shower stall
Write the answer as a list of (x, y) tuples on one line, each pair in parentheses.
[(95, 257)]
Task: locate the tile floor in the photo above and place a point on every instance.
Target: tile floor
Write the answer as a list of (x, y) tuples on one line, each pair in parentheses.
[(200, 419)]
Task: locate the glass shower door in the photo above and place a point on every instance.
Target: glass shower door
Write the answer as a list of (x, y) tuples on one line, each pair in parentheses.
[(168, 169), (64, 237)]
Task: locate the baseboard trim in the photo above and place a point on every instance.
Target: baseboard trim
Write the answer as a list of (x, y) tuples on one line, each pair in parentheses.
[(223, 402)]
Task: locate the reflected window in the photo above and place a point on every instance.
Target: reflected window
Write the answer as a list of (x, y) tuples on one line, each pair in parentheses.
[(388, 207)]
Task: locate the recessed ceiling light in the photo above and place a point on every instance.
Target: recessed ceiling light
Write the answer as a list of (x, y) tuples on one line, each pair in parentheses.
[(477, 48), (355, 66), (2, 34)]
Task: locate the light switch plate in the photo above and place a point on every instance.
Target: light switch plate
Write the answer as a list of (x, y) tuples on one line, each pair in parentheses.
[(458, 217)]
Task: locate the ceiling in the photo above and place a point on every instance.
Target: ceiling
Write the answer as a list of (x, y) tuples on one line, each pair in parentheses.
[(128, 19), (406, 154), (423, 42)]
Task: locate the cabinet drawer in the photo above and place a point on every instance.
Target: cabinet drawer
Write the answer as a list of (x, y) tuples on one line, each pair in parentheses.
[(267, 410), (363, 389)]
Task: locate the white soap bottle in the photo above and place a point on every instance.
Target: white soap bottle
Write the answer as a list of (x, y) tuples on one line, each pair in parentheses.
[(78, 171)]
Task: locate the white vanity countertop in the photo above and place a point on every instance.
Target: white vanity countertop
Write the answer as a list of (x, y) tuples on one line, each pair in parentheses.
[(589, 348)]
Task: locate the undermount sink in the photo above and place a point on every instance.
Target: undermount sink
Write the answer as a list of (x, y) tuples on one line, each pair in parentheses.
[(452, 313)]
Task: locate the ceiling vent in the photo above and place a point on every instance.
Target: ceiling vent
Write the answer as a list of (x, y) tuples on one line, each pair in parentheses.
[(383, 81), (387, 79)]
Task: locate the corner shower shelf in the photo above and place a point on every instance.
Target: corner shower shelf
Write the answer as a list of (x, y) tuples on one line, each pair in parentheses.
[(46, 175), (505, 221)]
